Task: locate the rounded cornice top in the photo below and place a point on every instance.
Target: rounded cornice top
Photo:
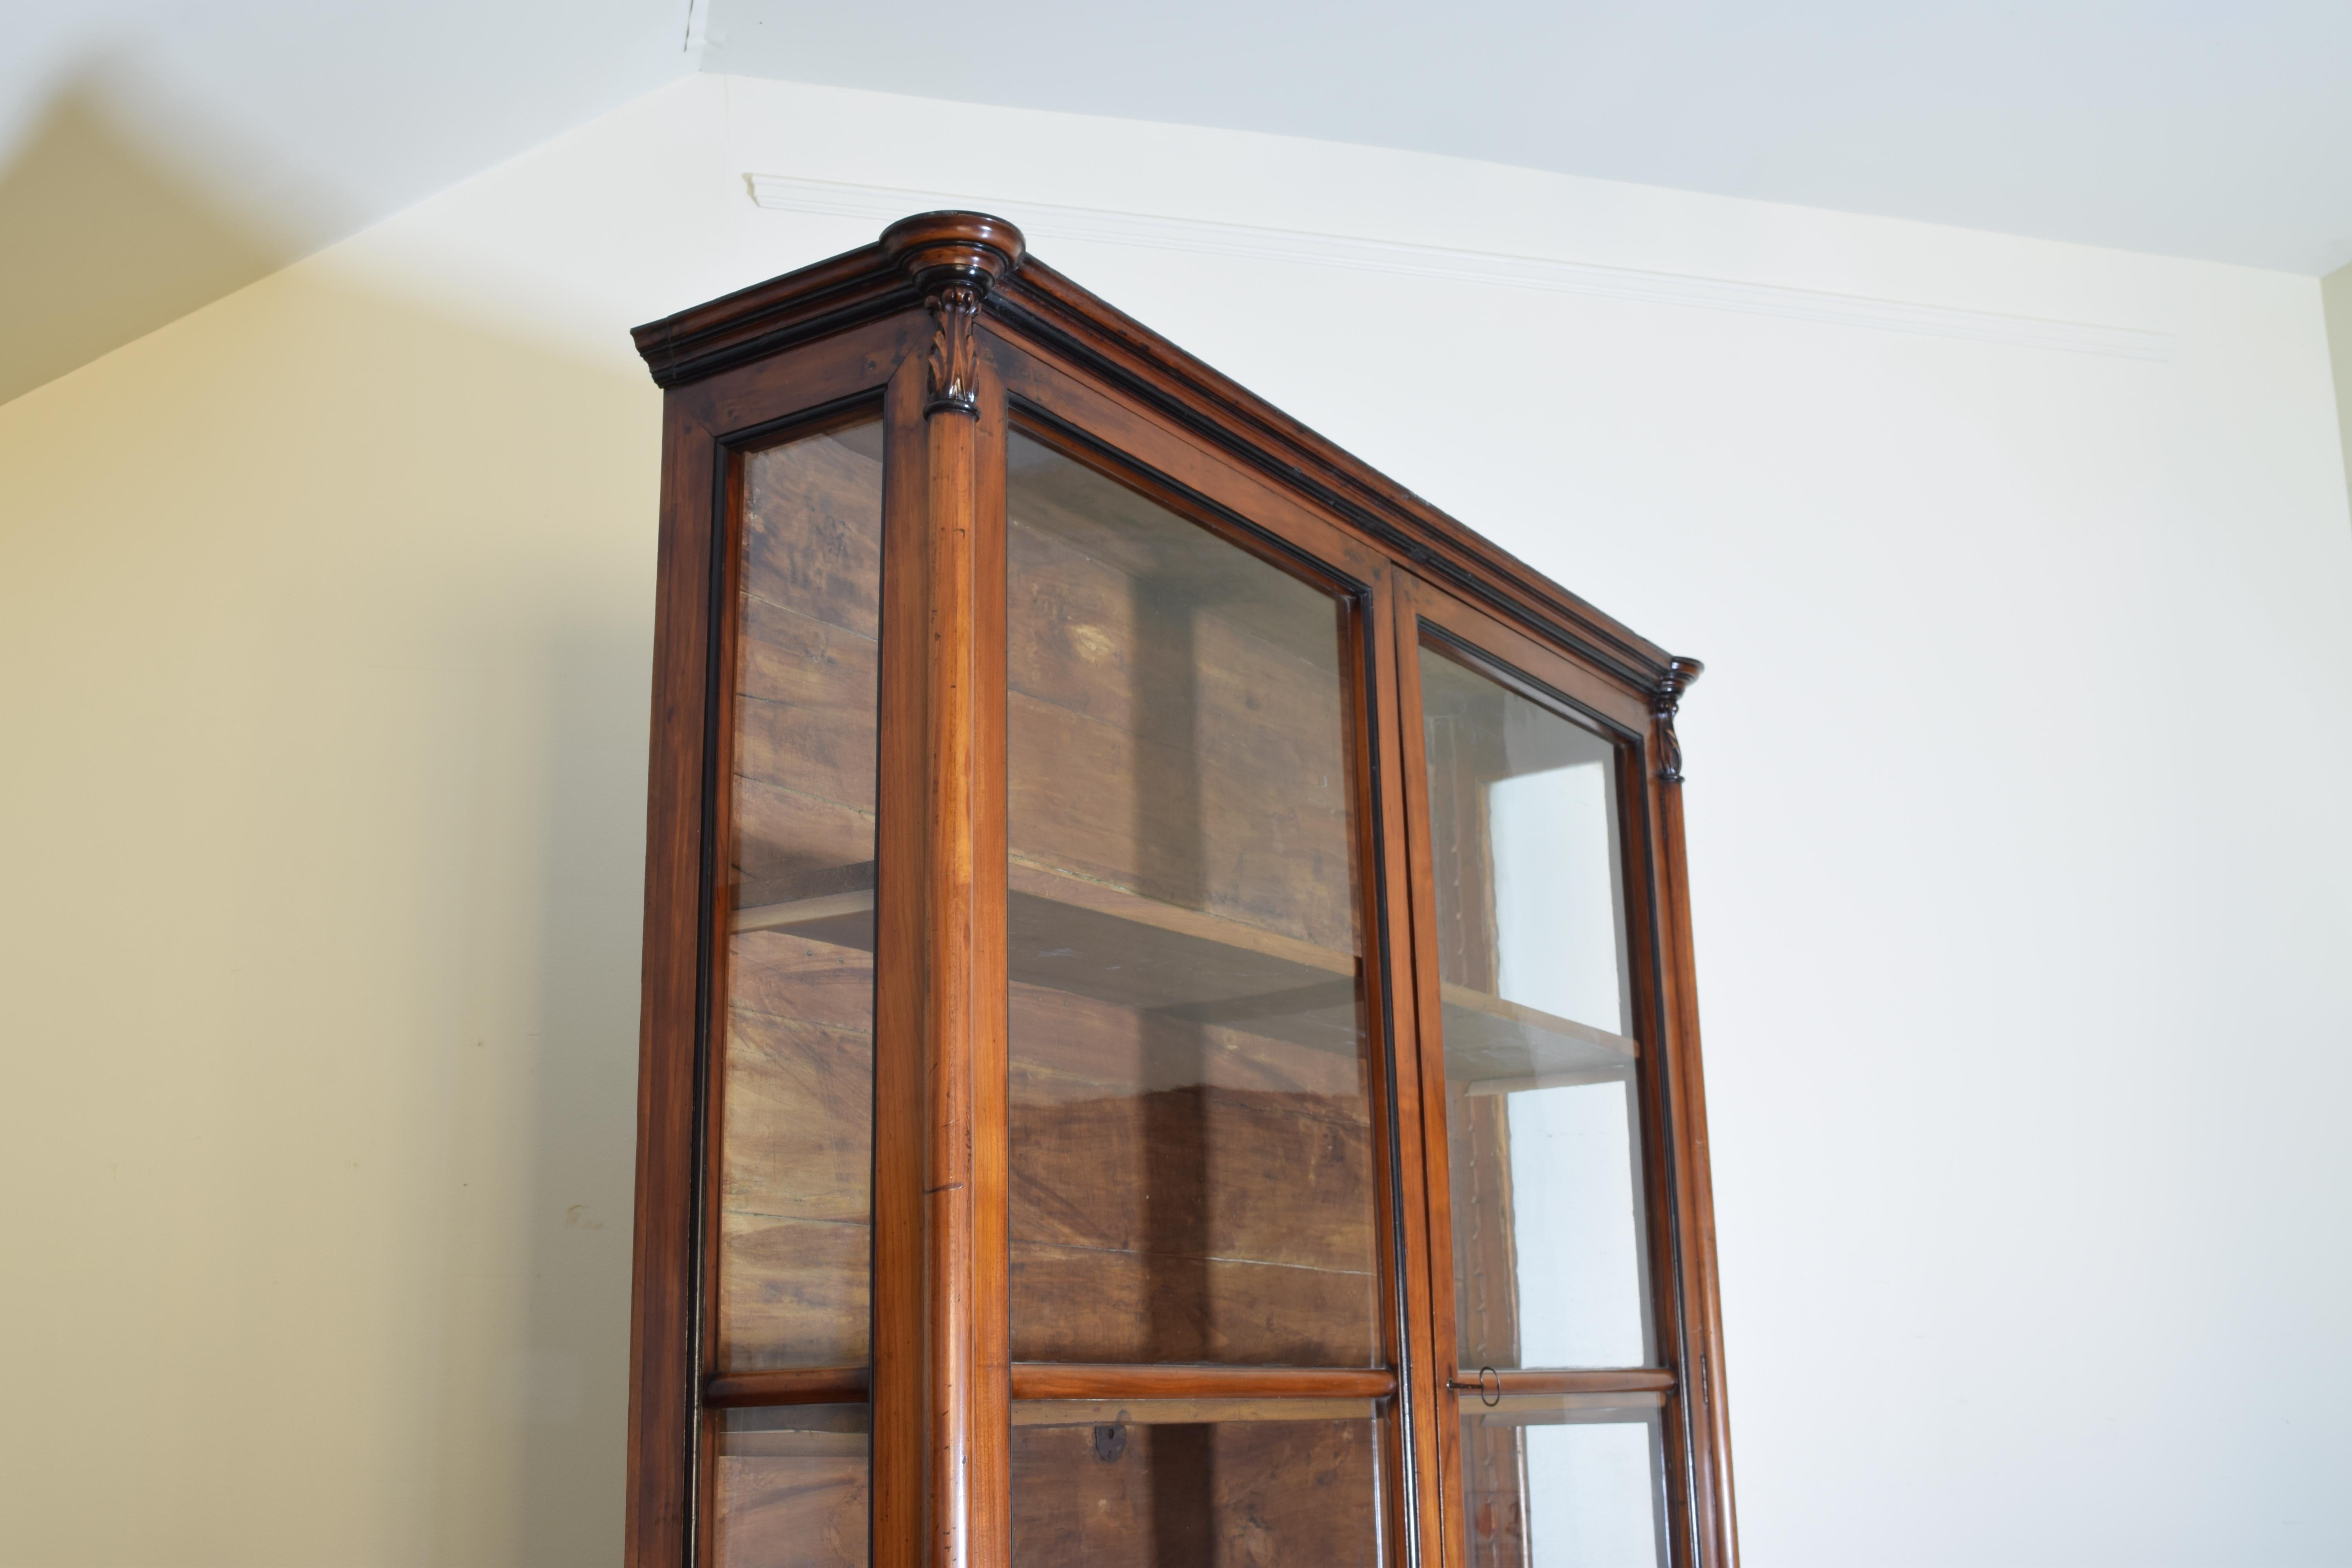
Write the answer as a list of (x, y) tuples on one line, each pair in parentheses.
[(936, 248)]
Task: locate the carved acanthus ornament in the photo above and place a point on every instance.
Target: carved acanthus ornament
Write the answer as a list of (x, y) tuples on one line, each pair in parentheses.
[(1665, 701), (955, 349)]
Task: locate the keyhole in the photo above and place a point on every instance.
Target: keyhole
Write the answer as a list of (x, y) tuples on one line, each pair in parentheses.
[(1110, 1442)]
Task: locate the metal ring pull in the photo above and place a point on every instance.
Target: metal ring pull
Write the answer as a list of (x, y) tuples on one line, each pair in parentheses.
[(1489, 1400)]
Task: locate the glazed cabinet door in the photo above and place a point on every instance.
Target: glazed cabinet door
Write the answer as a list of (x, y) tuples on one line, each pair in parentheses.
[(1536, 945), (1202, 1319), (1031, 1187)]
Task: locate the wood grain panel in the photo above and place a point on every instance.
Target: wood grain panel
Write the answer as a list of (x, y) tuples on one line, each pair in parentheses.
[(782, 832), (794, 1293), (1079, 1047), (796, 1160), (796, 1095), (805, 698), (1256, 1176), (1302, 1494), (784, 975), (813, 528), (1184, 1191), (793, 1510), (798, 1128), (1203, 826), (1089, 595), (1085, 1304), (1083, 514)]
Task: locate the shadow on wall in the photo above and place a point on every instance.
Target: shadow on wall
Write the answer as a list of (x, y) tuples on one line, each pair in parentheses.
[(376, 579), (102, 241)]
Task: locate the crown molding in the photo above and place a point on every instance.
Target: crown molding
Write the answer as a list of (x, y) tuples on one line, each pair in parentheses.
[(1096, 226)]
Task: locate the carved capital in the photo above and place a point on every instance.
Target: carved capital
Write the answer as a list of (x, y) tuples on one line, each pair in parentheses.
[(954, 258), (955, 349), (1665, 701)]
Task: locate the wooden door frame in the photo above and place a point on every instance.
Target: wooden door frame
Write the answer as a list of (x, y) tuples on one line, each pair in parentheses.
[(1685, 1319), (1099, 426), (708, 428)]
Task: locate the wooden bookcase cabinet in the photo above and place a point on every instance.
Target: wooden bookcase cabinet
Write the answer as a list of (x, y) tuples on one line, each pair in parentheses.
[(1169, 1034)]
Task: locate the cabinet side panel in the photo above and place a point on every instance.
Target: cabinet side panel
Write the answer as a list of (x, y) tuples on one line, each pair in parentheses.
[(1708, 1417), (663, 1353)]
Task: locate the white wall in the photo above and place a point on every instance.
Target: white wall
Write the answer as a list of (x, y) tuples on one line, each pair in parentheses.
[(2016, 816), (2336, 297)]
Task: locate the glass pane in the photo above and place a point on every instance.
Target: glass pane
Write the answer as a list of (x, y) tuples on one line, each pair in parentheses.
[(1191, 1132), (1564, 1481), (796, 1152), (1152, 1485), (791, 1486), (1542, 1130)]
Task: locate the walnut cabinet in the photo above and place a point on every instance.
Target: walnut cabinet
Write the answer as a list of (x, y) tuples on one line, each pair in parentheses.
[(1169, 1034)]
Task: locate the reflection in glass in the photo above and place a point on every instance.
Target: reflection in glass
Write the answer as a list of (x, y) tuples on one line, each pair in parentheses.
[(798, 1099), (1191, 1142), (1564, 1481), (1192, 1484), (1541, 1117), (792, 1486)]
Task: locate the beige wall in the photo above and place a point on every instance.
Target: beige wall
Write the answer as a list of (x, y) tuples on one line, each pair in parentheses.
[(2017, 838), (325, 636), (102, 241)]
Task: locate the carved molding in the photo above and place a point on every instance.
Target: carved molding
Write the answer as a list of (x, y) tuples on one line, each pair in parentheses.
[(955, 349), (955, 259), (1665, 701)]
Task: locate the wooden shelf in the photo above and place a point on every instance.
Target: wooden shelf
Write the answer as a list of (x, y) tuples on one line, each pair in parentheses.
[(817, 1385), (1098, 1380), (1063, 1394), (1095, 940), (1497, 1047), (1186, 1412), (1608, 1380)]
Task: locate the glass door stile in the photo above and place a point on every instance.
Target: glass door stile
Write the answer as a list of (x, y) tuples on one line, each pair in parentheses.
[(1188, 1048)]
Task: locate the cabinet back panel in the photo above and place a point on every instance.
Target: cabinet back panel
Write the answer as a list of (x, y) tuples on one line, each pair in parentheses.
[(1304, 1494)]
